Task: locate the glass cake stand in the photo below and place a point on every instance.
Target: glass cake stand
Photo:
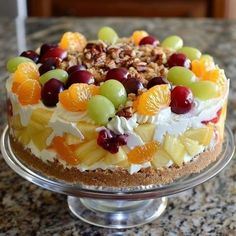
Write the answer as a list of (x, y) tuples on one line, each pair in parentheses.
[(117, 207)]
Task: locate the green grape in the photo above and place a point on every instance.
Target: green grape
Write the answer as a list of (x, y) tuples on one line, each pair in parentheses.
[(15, 61), (108, 35), (58, 74), (191, 53), (174, 42), (100, 109), (204, 89), (114, 91), (179, 75)]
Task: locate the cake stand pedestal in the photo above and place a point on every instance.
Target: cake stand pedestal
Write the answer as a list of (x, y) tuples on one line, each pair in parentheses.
[(117, 207)]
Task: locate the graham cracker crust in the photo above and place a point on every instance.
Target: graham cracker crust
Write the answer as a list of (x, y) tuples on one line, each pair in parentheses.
[(118, 177)]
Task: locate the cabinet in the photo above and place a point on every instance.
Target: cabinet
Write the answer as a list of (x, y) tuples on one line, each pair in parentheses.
[(139, 8)]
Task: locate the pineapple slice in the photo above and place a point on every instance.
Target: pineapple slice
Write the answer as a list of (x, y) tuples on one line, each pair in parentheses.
[(88, 130), (39, 139), (175, 149), (202, 135), (90, 152), (192, 147), (71, 139), (145, 131), (112, 159), (161, 158)]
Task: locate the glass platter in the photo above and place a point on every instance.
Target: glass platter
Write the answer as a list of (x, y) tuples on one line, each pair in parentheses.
[(117, 207)]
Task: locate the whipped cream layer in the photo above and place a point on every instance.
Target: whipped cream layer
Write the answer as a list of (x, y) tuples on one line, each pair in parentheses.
[(165, 121)]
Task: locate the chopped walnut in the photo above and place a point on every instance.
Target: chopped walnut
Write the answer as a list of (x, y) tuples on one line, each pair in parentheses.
[(126, 112), (143, 63)]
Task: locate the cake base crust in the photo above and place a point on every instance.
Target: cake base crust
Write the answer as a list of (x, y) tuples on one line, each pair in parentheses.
[(118, 177)]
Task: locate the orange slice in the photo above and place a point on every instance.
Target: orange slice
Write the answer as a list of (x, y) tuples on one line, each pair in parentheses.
[(73, 41), (150, 102), (138, 35), (141, 154), (29, 92), (77, 96), (24, 71), (64, 151)]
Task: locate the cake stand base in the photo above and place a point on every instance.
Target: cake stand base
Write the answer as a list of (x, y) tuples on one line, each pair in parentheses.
[(117, 214)]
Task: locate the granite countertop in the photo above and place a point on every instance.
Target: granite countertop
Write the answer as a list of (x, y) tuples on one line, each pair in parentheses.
[(209, 209)]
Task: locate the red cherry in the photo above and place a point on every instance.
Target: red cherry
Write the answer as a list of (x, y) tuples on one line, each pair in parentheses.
[(53, 52), (178, 59), (215, 119), (80, 76), (149, 40), (156, 81), (132, 85), (45, 47), (111, 141), (50, 63), (50, 92), (74, 68), (181, 100), (31, 55), (119, 74)]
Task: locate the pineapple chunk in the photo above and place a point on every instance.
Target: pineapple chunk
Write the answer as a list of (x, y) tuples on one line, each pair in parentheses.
[(90, 153), (34, 128), (71, 139), (123, 164), (192, 147), (41, 116), (112, 159), (20, 131), (202, 135), (221, 123), (39, 139), (22, 136), (16, 123), (161, 158), (175, 149), (93, 157), (86, 147), (88, 130), (145, 131)]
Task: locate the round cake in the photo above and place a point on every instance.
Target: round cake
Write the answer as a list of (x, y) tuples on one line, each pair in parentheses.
[(116, 111)]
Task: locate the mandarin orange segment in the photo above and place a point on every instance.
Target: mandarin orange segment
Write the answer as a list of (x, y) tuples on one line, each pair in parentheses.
[(198, 68), (77, 96), (64, 151), (205, 69), (138, 35), (73, 41), (150, 102), (212, 75), (24, 71), (29, 92), (144, 153)]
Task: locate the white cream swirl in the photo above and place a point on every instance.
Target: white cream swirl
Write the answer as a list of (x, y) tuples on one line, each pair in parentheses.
[(120, 125)]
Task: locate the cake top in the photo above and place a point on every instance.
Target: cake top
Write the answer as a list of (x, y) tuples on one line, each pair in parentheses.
[(115, 76)]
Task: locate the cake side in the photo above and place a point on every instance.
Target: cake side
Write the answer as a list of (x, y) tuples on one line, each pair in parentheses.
[(118, 177), (125, 107)]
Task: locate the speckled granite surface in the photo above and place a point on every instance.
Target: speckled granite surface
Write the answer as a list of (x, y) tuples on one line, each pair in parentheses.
[(209, 209)]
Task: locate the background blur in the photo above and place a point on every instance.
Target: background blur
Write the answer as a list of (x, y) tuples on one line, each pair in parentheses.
[(138, 8)]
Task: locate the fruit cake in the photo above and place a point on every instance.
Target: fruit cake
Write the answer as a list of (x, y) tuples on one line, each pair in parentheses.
[(116, 111)]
